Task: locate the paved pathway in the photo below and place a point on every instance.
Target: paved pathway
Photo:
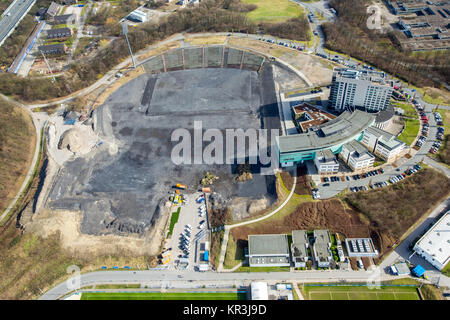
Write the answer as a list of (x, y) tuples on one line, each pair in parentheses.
[(228, 227)]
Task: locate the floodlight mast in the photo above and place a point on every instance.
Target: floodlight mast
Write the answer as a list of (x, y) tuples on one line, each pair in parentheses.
[(125, 33)]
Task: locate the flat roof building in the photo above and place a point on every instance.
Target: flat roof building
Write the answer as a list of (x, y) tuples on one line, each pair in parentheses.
[(138, 15), (434, 245), (299, 248), (306, 116), (326, 162), (363, 89), (259, 291), (322, 248), (331, 135), (356, 156), (268, 250), (382, 143), (360, 247)]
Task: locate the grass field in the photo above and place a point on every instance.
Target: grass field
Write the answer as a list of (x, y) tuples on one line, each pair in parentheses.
[(359, 293), (273, 10), (410, 132), (173, 220), (409, 109), (163, 296)]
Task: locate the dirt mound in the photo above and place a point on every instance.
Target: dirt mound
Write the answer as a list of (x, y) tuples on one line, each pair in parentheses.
[(79, 139), (328, 214)]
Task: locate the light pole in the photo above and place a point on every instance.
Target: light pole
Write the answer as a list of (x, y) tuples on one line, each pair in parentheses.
[(125, 33)]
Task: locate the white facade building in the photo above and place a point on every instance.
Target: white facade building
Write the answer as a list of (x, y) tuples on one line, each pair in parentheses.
[(326, 162), (356, 156), (434, 246), (359, 88), (138, 15), (259, 291), (382, 143)]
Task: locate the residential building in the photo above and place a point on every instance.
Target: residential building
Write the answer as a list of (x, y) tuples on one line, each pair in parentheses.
[(382, 143), (53, 49), (356, 156), (322, 248), (299, 248), (59, 33), (363, 89), (326, 162), (434, 245), (52, 11), (268, 250), (65, 19)]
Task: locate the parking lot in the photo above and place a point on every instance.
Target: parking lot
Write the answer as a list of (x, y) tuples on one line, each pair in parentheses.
[(188, 244)]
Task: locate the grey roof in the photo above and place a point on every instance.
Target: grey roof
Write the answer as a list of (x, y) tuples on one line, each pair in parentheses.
[(385, 115), (326, 155), (53, 9), (299, 236), (322, 236), (331, 133), (48, 47), (360, 74), (299, 244), (402, 268), (379, 133), (268, 244), (322, 251), (355, 146), (64, 17), (58, 31)]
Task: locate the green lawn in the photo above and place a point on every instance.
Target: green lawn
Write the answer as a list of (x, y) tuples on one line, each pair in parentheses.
[(446, 270), (409, 109), (359, 293), (163, 296), (173, 220), (273, 10), (410, 132), (263, 269)]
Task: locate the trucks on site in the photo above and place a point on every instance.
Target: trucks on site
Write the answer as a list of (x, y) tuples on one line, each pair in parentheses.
[(181, 186)]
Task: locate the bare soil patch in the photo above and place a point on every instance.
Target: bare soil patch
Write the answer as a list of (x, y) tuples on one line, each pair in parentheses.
[(327, 214)]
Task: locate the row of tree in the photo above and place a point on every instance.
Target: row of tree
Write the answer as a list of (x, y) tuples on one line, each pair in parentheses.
[(209, 16)]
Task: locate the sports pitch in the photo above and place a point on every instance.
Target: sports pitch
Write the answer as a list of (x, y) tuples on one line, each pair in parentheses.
[(163, 296), (360, 293)]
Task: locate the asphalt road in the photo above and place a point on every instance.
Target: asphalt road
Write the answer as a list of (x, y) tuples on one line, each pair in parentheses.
[(336, 187), (11, 19), (172, 277)]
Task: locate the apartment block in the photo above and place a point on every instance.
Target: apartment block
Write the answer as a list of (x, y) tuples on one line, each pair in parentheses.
[(363, 89)]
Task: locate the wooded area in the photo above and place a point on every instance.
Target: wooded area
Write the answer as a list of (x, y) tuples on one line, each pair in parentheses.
[(351, 36), (209, 16)]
